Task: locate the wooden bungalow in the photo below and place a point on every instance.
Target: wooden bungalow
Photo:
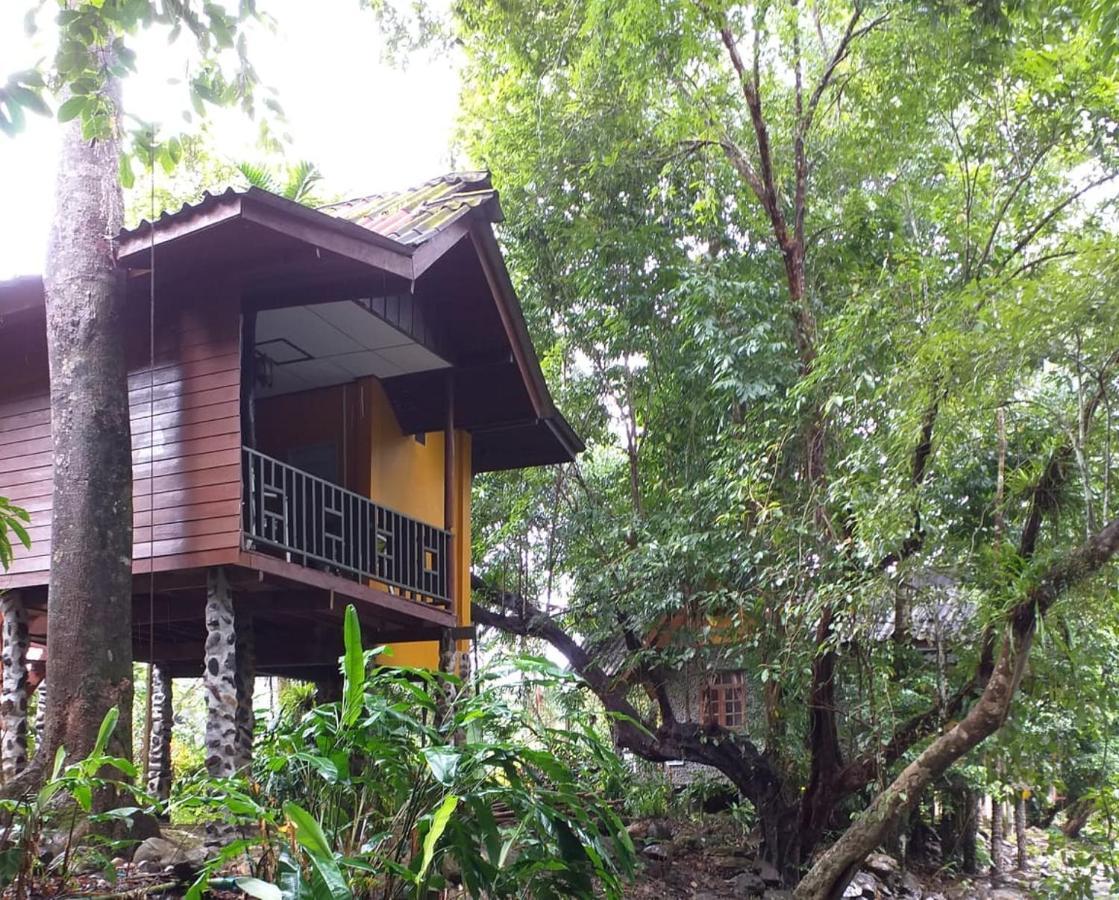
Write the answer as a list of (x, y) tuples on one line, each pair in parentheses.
[(321, 388)]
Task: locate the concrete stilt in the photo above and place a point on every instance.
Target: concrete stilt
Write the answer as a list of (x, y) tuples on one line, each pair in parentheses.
[(246, 682), (159, 756), (13, 686), (220, 677), (40, 713)]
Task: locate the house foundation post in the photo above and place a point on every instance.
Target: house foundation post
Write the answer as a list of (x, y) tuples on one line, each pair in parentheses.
[(40, 713), (246, 682), (13, 693), (220, 677), (159, 755)]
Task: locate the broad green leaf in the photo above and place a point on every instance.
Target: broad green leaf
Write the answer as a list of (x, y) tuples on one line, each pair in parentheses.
[(72, 108), (353, 664), (255, 887), (439, 820), (443, 762), (105, 731), (307, 831)]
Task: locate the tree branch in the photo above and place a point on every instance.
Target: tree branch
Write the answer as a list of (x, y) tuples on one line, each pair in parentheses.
[(1033, 232), (730, 752)]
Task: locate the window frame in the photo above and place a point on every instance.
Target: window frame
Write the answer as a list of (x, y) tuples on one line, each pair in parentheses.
[(723, 700)]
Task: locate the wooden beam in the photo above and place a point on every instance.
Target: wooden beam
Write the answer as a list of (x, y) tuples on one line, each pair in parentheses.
[(450, 495), (367, 599), (337, 235)]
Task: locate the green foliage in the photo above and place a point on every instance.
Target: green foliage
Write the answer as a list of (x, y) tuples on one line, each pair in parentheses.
[(647, 792), (95, 47), (66, 796), (13, 522), (961, 259), (414, 779), (297, 183)]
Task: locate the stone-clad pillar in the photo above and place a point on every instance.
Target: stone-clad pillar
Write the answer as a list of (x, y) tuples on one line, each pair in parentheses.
[(159, 754), (13, 692), (40, 713), (220, 677), (246, 682)]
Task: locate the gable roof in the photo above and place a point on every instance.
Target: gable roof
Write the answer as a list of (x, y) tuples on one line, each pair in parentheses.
[(416, 243)]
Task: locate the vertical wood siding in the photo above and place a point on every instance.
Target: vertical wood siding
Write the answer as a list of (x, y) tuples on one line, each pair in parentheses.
[(186, 431)]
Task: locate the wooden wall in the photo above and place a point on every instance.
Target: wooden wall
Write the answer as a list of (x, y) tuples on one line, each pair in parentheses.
[(186, 432)]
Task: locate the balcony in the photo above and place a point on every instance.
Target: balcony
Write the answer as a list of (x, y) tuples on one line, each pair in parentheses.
[(307, 520)]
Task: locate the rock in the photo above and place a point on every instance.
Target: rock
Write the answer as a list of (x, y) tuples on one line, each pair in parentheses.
[(689, 843), (883, 866), (182, 859), (862, 885), (777, 894), (768, 873), (748, 885), (910, 886), (732, 865), (657, 852)]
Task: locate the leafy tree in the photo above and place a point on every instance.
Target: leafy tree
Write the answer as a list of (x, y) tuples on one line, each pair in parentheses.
[(89, 616), (827, 285)]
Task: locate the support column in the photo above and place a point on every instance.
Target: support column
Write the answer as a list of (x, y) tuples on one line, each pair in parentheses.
[(13, 693), (246, 682), (159, 756), (220, 677), (40, 713)]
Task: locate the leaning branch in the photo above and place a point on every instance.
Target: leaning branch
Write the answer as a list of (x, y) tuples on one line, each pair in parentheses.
[(833, 870), (731, 753)]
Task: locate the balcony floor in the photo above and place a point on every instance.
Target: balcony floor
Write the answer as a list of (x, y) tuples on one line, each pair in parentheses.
[(297, 614)]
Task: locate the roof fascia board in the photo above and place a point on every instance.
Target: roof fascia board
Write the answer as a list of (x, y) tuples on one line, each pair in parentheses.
[(430, 251), (325, 231), (509, 309), (139, 240)]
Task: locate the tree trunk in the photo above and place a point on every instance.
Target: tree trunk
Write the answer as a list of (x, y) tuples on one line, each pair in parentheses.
[(834, 869), (1020, 831), (89, 618), (996, 835), (970, 835), (1078, 814)]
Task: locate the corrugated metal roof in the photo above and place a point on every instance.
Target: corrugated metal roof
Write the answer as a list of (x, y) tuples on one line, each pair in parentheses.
[(414, 215)]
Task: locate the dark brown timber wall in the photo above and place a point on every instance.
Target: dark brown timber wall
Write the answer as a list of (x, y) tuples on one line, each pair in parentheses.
[(186, 431)]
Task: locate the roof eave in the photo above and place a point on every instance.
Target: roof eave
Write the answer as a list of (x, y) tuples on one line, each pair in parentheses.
[(273, 212)]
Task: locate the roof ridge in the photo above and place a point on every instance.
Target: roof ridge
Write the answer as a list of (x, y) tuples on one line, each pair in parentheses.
[(454, 177), (412, 215)]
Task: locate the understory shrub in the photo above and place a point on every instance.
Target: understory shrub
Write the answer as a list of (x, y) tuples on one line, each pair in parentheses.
[(415, 781)]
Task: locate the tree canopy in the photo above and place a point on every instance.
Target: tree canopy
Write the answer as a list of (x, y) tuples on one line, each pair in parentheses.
[(830, 288)]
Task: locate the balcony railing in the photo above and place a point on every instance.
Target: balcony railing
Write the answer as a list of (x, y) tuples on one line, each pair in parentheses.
[(318, 524)]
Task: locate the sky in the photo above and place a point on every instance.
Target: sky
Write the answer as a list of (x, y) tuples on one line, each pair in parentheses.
[(367, 125)]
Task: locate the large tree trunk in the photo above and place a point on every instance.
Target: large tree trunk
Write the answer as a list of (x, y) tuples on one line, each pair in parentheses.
[(89, 619), (834, 869)]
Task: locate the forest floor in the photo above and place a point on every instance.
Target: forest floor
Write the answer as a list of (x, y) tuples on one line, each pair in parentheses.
[(707, 858)]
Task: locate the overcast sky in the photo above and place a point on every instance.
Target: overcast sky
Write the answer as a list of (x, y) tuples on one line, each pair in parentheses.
[(367, 125)]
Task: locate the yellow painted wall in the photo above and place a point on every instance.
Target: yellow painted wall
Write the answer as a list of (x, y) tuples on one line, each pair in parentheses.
[(407, 476)]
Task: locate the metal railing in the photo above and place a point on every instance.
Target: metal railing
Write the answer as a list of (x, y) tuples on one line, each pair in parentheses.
[(321, 525)]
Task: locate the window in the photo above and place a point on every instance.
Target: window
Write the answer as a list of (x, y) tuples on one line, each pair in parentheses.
[(724, 700)]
